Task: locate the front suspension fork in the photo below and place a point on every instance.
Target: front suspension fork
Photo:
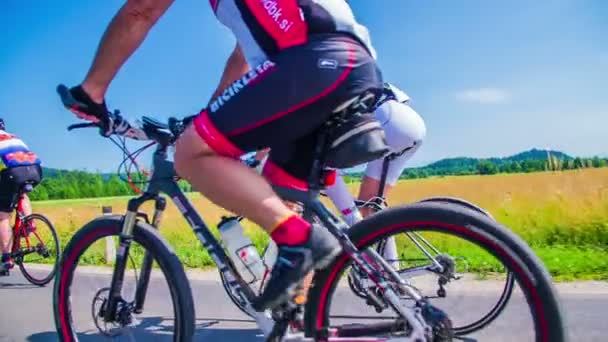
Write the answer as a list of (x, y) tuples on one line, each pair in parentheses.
[(122, 256)]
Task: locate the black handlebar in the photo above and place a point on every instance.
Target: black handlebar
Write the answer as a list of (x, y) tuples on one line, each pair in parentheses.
[(82, 125), (153, 128)]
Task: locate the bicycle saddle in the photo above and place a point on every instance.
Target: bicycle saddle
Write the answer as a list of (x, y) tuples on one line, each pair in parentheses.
[(355, 136), (27, 187)]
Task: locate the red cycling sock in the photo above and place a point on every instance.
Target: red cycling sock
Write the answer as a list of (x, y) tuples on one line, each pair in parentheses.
[(293, 230)]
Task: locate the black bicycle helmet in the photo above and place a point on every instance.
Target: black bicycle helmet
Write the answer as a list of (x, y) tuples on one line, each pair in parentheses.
[(2, 124)]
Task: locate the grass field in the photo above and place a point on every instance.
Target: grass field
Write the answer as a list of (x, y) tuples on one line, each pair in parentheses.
[(562, 215)]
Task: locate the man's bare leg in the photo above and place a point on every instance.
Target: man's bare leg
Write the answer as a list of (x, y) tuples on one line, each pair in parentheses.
[(232, 185), (26, 205), (5, 232), (5, 236), (241, 190), (369, 189)]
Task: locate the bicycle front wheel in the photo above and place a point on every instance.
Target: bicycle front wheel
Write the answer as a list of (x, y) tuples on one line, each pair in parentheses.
[(38, 249), (81, 291), (536, 315)]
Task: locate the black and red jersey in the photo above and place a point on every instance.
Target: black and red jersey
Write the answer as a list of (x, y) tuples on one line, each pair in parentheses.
[(265, 27)]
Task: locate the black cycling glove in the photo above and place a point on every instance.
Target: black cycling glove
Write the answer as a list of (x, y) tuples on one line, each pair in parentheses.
[(84, 107)]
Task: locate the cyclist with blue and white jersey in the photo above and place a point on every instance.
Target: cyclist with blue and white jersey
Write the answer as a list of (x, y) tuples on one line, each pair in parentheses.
[(18, 166)]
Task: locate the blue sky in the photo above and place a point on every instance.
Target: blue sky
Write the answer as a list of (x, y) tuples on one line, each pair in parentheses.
[(489, 78)]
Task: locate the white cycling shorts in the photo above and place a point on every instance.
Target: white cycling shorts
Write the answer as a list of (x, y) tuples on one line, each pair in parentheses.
[(404, 129)]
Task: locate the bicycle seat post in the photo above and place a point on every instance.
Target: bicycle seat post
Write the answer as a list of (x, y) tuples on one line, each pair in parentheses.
[(315, 177)]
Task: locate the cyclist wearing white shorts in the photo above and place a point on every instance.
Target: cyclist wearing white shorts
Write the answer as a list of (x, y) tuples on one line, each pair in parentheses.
[(405, 131)]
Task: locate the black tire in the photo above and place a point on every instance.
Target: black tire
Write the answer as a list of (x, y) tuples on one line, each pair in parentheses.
[(458, 201), (532, 277), (54, 251), (149, 238), (233, 298)]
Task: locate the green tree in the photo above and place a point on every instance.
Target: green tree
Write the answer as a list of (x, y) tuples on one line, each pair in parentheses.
[(597, 162), (486, 167)]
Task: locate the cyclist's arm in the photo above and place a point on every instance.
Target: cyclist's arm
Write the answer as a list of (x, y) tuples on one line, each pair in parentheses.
[(123, 36), (236, 67)]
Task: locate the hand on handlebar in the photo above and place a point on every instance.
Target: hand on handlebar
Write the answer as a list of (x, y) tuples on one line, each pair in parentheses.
[(77, 101)]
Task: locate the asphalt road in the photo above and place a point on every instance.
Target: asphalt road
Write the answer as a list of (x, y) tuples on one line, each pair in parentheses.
[(26, 311)]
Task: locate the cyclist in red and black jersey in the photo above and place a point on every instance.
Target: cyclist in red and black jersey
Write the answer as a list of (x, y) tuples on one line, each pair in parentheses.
[(293, 63)]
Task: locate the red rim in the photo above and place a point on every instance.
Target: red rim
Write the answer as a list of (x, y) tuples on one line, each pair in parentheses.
[(68, 273)]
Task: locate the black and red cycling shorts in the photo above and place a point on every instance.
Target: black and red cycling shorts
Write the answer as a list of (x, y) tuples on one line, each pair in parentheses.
[(12, 180), (282, 103)]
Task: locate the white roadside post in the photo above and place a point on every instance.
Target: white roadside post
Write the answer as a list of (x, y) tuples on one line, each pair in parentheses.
[(110, 247)]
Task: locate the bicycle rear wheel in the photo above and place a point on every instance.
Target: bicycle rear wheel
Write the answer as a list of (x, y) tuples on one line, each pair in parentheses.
[(82, 290), (325, 314), (38, 249)]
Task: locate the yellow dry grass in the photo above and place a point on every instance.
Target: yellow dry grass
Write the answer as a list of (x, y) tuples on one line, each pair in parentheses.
[(528, 203), (563, 215)]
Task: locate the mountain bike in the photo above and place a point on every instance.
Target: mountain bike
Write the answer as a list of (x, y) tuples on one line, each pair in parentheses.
[(417, 319), (34, 242)]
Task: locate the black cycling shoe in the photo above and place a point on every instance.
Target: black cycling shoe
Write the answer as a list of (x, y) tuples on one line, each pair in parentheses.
[(294, 263), (5, 268)]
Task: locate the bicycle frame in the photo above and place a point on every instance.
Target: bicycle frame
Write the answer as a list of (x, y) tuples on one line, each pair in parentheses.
[(379, 202), (19, 228)]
